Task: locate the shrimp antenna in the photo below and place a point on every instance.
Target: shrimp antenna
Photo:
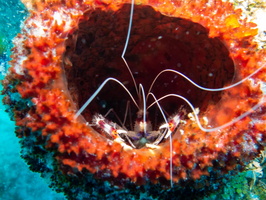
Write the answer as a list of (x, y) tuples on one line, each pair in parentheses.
[(98, 90), (203, 88), (126, 44), (141, 89), (196, 116), (170, 137), (159, 106)]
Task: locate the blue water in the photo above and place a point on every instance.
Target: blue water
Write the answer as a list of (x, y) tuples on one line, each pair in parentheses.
[(17, 182)]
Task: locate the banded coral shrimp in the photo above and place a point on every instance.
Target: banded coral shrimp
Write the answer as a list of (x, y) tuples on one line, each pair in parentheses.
[(158, 98)]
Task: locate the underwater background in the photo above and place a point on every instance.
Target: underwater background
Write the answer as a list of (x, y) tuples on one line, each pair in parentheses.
[(17, 182)]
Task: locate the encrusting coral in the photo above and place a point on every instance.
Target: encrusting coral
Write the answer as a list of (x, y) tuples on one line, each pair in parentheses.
[(67, 48)]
